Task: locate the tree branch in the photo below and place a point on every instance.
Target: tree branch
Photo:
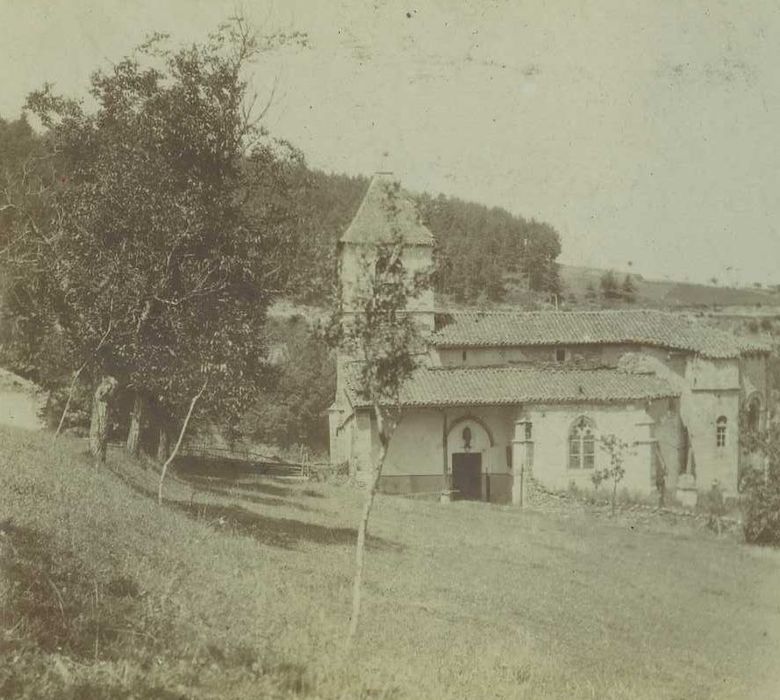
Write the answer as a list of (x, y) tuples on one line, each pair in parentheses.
[(175, 451)]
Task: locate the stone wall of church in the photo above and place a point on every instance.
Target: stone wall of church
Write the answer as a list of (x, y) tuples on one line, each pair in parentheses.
[(670, 437), (754, 379), (714, 461), (416, 462), (416, 459), (356, 264), (713, 393), (608, 354), (711, 389), (551, 426)]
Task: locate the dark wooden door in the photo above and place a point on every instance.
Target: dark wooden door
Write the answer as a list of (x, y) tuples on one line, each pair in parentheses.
[(467, 475)]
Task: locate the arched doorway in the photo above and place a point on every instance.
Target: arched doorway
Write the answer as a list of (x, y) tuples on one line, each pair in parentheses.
[(469, 440)]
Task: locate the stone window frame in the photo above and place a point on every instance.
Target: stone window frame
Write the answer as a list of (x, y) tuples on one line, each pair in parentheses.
[(582, 433)]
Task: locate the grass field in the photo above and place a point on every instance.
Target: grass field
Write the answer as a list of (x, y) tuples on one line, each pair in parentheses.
[(241, 589), (669, 293)]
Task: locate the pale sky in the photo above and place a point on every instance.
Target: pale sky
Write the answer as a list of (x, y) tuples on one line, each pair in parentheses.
[(645, 132)]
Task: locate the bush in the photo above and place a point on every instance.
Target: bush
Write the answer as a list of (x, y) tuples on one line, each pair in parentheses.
[(760, 486), (714, 505), (761, 505)]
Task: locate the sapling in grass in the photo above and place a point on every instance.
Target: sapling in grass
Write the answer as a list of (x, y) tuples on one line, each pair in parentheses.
[(616, 450), (381, 341)]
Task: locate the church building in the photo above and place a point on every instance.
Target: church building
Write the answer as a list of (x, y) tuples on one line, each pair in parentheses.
[(503, 400)]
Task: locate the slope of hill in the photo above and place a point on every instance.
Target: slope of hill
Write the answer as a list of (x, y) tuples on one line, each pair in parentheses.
[(21, 402), (668, 293), (240, 588)]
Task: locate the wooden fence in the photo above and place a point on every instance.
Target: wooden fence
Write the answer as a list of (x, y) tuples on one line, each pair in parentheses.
[(254, 462), (259, 463)]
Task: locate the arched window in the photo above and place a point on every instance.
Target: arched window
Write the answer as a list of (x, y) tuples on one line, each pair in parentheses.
[(720, 432), (582, 444)]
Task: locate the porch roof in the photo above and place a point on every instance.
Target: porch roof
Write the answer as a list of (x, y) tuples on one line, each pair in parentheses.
[(492, 386)]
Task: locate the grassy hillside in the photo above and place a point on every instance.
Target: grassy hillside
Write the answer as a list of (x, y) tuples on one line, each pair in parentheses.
[(660, 294), (240, 589), (669, 293)]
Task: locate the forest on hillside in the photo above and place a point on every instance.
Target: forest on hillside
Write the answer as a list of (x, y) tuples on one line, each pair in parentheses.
[(477, 246), (299, 213)]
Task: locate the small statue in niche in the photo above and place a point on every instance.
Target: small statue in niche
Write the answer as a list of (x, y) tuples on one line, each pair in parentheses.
[(466, 435)]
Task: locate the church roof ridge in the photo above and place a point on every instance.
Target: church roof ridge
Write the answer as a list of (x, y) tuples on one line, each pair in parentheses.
[(651, 327)]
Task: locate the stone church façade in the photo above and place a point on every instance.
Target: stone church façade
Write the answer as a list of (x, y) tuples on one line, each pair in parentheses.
[(504, 398)]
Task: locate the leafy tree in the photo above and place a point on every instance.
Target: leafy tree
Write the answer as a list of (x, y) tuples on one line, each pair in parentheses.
[(610, 288), (153, 235), (324, 207), (628, 290), (539, 259), (383, 342), (590, 292), (27, 180)]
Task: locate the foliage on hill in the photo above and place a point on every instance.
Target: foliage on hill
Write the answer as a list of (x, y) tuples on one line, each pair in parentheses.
[(292, 407), (584, 287), (476, 245)]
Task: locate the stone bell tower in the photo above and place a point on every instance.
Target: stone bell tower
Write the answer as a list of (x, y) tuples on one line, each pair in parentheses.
[(386, 213)]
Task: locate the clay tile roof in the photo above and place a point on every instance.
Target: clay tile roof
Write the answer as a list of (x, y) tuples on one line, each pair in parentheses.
[(641, 326), (492, 386), (385, 210)]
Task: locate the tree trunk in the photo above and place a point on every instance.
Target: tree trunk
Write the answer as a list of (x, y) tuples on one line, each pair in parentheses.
[(178, 442), (136, 422), (76, 376), (98, 429), (357, 583), (614, 496), (163, 448), (373, 486)]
